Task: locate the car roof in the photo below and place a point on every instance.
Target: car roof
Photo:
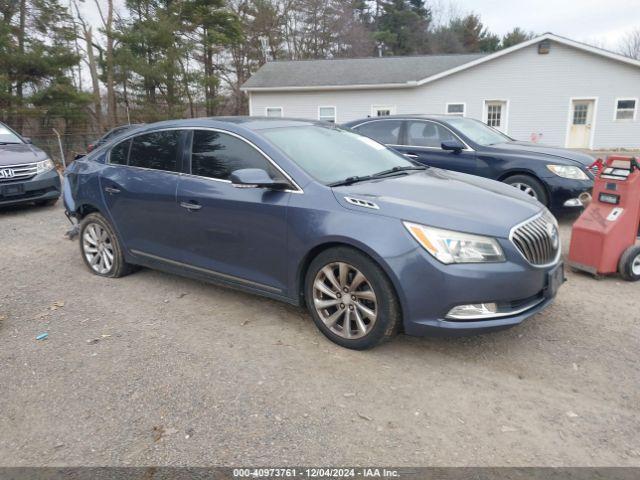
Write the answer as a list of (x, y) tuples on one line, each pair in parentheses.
[(251, 123), (414, 116)]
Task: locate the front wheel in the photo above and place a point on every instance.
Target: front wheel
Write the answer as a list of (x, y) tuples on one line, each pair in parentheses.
[(529, 185), (351, 299), (100, 248)]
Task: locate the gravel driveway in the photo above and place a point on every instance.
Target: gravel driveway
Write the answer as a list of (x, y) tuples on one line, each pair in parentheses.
[(154, 369)]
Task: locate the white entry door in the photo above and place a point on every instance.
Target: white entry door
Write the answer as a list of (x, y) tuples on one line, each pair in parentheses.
[(581, 122), (495, 114)]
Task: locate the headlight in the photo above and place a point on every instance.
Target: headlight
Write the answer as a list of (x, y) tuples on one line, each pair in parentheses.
[(565, 171), (45, 166), (456, 247)]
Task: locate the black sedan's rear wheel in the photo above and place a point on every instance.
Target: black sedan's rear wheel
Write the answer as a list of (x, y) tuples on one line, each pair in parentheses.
[(351, 300), (529, 185)]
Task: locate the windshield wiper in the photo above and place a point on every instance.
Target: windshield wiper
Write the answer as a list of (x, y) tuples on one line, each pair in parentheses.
[(384, 173), (393, 170), (9, 143), (351, 180)]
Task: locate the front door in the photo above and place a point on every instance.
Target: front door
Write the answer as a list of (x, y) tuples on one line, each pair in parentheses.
[(236, 234), (139, 187), (422, 142), (581, 122), (495, 114)]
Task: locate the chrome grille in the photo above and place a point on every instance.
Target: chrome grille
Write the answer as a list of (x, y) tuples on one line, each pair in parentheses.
[(538, 239), (11, 173)]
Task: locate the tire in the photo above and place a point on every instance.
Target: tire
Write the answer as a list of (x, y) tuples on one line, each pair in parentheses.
[(629, 264), (47, 203), (330, 306), (529, 185), (111, 264)]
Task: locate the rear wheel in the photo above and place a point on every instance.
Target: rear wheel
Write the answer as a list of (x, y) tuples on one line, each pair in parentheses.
[(629, 265), (529, 185), (100, 248), (351, 300)]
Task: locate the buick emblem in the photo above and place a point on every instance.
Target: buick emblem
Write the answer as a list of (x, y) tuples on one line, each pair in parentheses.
[(7, 173)]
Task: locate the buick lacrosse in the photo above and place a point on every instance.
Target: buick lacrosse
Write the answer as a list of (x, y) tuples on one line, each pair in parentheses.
[(308, 213)]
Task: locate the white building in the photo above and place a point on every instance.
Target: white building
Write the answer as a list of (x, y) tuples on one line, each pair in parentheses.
[(549, 89)]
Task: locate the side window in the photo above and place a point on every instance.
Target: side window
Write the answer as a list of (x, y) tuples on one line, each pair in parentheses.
[(216, 155), (157, 150), (427, 134), (120, 153), (384, 131)]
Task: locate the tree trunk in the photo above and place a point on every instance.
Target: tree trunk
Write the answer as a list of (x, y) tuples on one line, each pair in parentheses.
[(19, 94), (95, 81), (111, 93)]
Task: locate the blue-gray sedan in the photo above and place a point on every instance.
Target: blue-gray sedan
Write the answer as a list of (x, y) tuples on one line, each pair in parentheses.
[(308, 213)]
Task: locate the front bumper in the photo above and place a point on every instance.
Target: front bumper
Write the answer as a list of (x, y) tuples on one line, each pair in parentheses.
[(45, 186), (429, 290), (563, 190)]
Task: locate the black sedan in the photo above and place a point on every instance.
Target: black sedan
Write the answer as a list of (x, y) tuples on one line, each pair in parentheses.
[(554, 176)]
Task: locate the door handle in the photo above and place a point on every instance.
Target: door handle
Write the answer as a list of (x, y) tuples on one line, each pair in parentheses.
[(410, 155), (111, 190), (190, 206)]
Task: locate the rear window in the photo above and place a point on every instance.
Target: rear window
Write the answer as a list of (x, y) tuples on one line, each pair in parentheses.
[(157, 151), (383, 131)]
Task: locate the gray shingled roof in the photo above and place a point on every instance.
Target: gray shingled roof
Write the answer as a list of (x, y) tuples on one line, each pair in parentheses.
[(354, 71)]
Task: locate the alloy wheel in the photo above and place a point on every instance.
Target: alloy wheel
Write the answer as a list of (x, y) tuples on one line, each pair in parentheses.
[(523, 187), (345, 300), (97, 248)]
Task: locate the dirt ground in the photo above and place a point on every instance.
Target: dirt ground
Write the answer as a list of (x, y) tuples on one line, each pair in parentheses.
[(154, 369)]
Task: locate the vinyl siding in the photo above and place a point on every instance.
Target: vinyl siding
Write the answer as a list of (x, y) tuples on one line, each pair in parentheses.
[(537, 87)]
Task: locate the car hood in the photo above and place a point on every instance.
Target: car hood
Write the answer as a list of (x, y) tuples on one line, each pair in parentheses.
[(444, 199), (542, 150), (19, 153)]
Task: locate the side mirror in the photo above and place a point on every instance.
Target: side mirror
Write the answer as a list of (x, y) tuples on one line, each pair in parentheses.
[(256, 178), (453, 145), (27, 140), (78, 156)]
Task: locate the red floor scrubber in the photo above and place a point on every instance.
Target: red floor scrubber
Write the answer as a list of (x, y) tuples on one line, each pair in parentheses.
[(604, 238)]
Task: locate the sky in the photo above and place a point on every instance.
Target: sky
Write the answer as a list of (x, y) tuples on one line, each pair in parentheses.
[(599, 22), (603, 22)]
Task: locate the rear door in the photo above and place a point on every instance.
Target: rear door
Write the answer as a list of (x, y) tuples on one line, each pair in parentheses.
[(238, 234), (139, 188), (422, 142)]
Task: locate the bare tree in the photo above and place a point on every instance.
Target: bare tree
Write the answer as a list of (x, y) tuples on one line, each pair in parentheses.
[(630, 44), (93, 68)]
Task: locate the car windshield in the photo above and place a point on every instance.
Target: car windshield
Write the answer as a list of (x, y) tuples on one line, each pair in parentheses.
[(7, 136), (478, 132), (331, 155)]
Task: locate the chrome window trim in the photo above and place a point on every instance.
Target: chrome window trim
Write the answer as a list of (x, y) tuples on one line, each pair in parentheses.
[(531, 219), (466, 148), (297, 190)]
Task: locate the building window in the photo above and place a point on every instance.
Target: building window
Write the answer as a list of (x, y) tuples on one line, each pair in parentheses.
[(457, 109), (495, 114), (273, 111), (626, 109), (382, 110), (327, 114)]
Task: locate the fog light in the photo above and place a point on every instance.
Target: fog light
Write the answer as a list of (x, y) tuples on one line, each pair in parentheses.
[(573, 202), (473, 311)]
